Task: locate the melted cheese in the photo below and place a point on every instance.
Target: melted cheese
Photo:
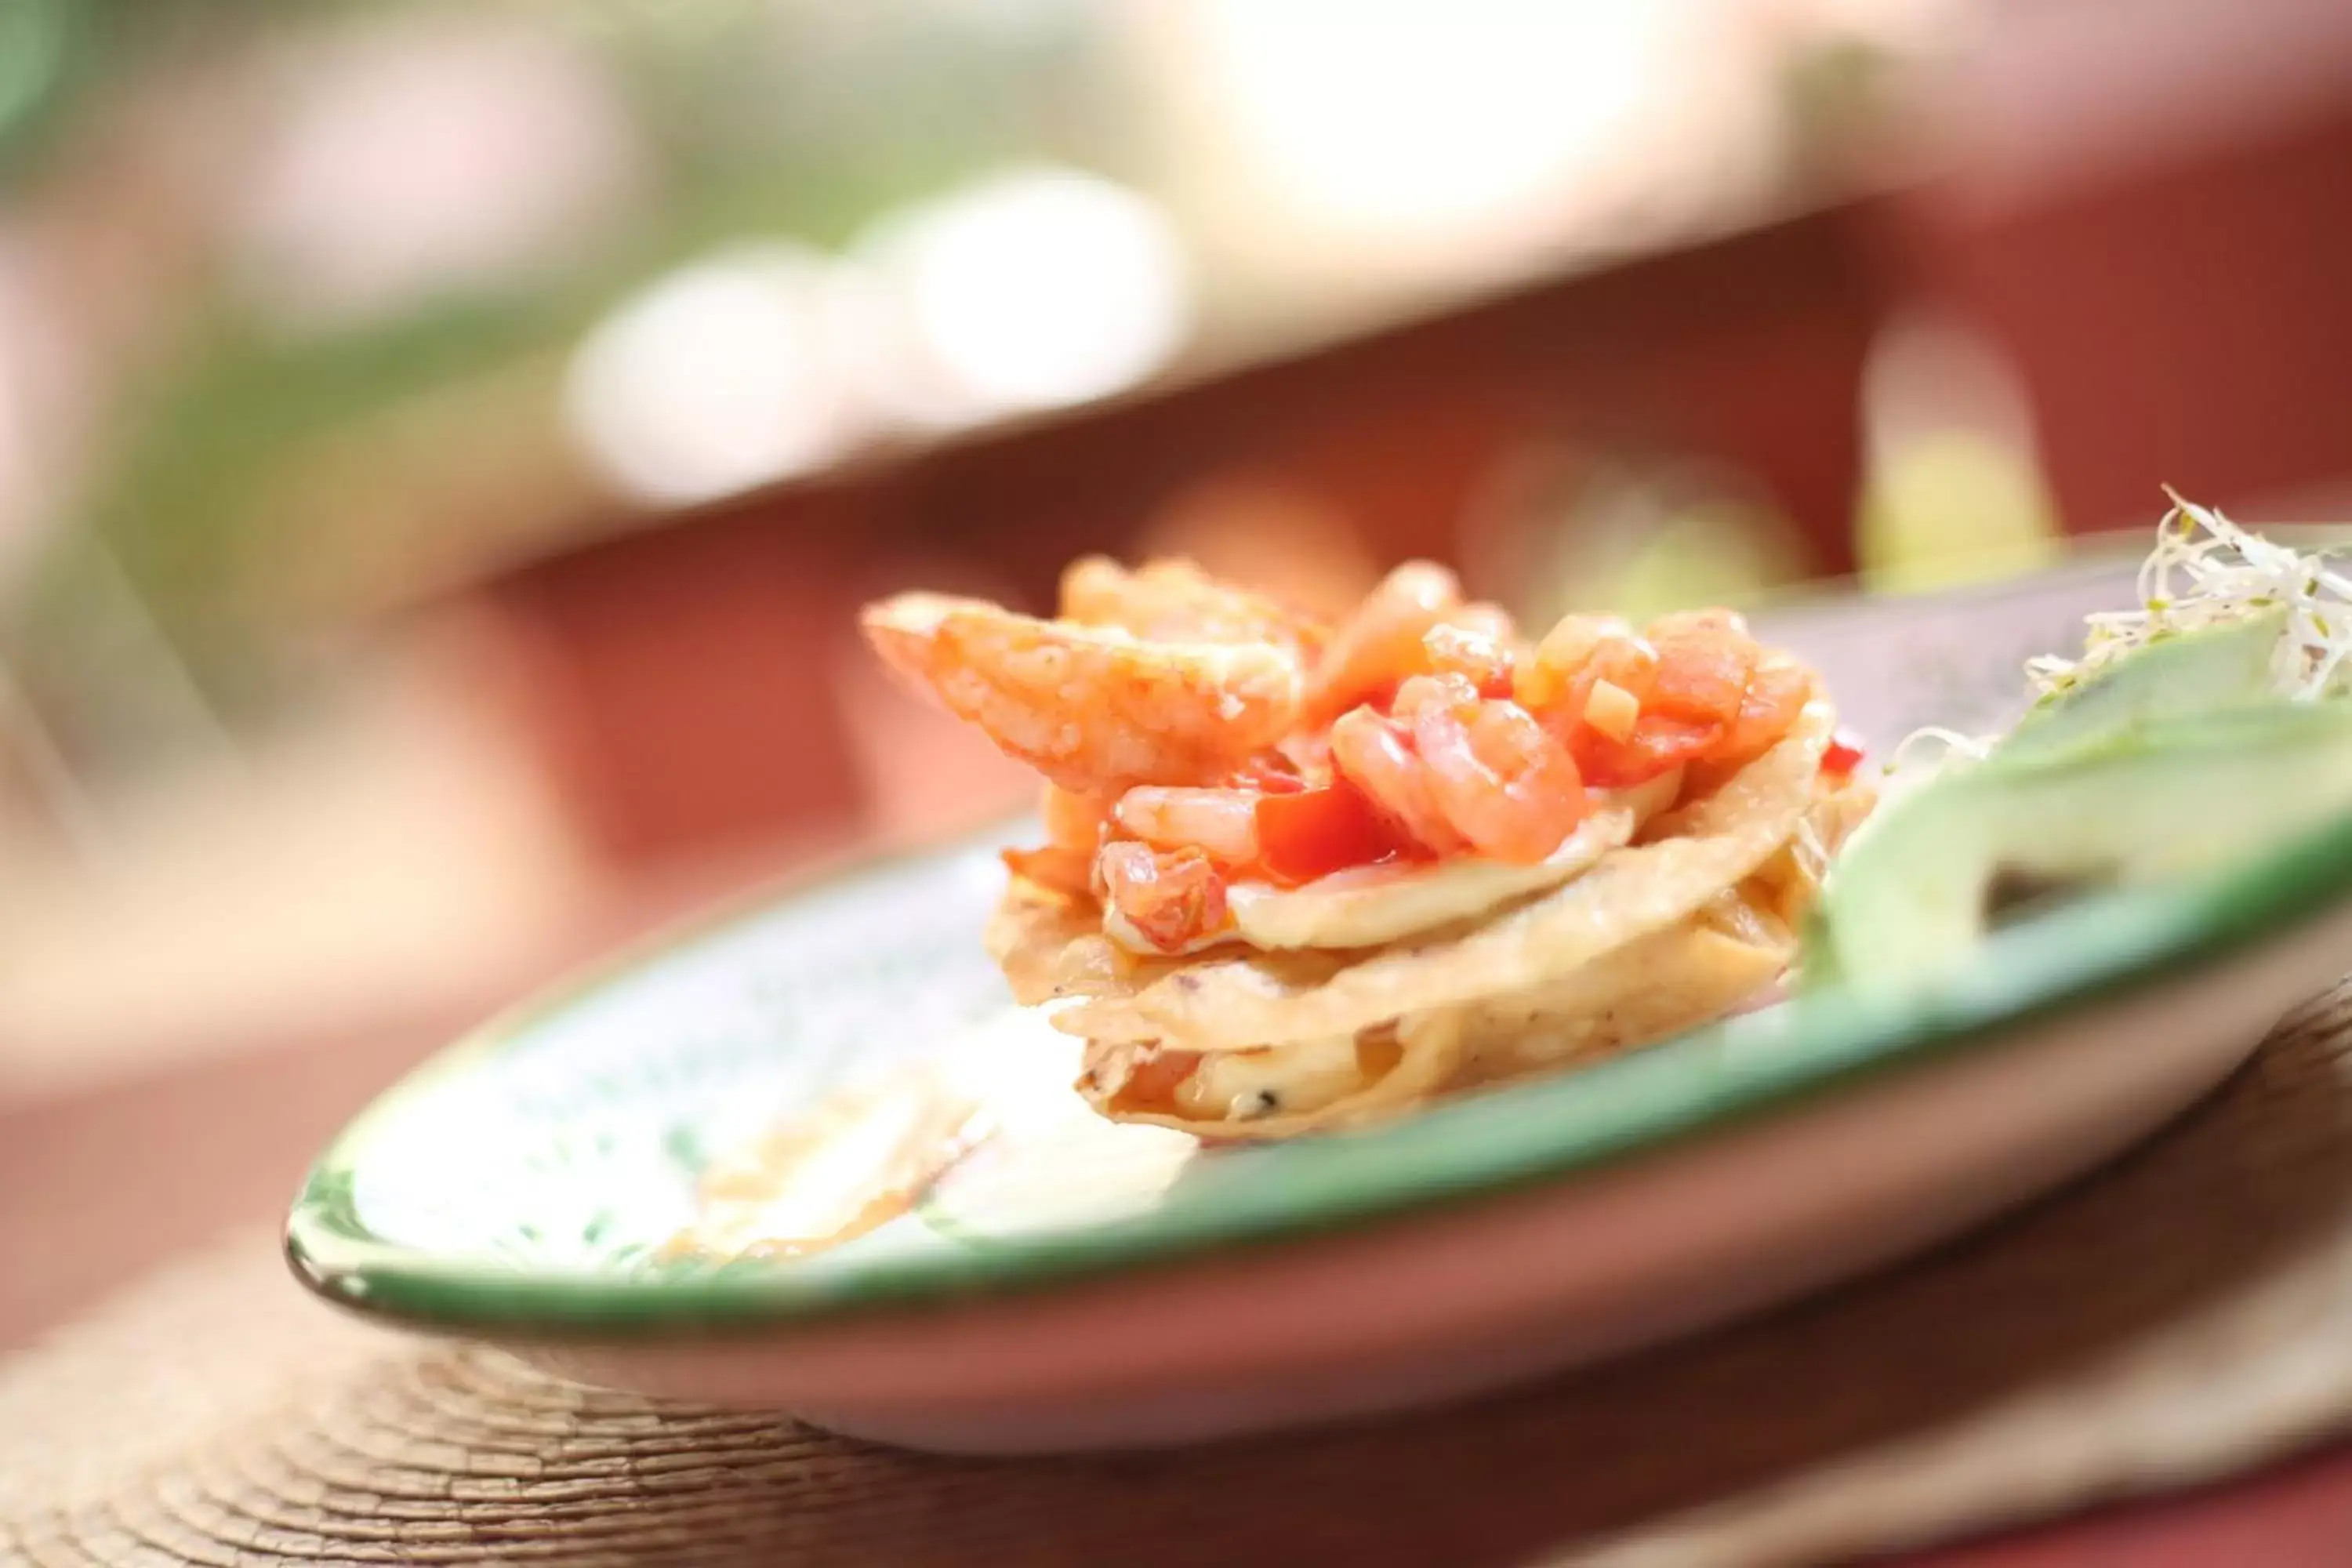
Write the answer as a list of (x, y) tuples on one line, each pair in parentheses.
[(1379, 904), (1305, 1075)]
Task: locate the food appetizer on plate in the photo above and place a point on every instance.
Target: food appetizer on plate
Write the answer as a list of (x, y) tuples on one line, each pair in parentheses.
[(1299, 876), (1296, 877)]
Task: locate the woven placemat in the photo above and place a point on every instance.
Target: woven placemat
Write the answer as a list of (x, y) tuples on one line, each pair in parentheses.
[(2186, 1313)]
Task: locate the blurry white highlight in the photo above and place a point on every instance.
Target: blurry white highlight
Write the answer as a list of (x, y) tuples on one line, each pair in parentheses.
[(1388, 115), (1030, 289), (1033, 289), (713, 379)]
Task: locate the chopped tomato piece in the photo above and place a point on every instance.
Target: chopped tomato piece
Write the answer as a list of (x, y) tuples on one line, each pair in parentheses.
[(1630, 664), (1775, 698), (1316, 832), (1172, 899), (1624, 661), (1537, 686), (1658, 745), (1612, 709), (1567, 648), (1841, 757), (1702, 671), (1486, 662)]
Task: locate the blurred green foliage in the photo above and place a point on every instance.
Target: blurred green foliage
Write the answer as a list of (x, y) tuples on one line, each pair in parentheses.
[(42, 48), (794, 121)]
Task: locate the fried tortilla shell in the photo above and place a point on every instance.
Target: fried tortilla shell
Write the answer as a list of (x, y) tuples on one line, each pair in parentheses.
[(1792, 880), (1657, 986), (1405, 1066), (1050, 946)]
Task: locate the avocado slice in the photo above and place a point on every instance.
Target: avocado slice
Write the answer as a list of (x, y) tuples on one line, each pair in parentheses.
[(2122, 804), (2225, 666)]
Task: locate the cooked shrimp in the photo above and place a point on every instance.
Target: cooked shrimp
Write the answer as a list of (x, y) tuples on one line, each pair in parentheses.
[(1484, 618), (1487, 660), (1377, 756), (1577, 653), (1094, 710), (1067, 871), (1705, 659), (1220, 822), (1504, 782), (1426, 693), (1769, 710), (1380, 644), (1175, 601), (1173, 900), (1074, 831), (1074, 821)]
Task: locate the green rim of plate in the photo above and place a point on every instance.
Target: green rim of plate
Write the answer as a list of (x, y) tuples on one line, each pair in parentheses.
[(1473, 1148)]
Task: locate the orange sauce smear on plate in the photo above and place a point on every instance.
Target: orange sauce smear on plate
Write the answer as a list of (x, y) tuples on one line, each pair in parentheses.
[(848, 1165)]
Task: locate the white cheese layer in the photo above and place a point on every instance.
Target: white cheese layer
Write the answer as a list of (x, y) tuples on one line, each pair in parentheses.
[(1305, 1075)]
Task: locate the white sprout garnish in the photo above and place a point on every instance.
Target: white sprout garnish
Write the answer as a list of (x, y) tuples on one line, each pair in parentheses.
[(2229, 574), (1952, 741), (1812, 856)]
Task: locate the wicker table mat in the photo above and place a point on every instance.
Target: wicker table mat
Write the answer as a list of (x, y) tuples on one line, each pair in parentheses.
[(2186, 1313)]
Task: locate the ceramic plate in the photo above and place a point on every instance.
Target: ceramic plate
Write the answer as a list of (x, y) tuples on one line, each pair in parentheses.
[(1071, 1283)]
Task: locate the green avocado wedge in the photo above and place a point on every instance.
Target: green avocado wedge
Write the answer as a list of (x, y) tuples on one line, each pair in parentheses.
[(1918, 888), (2168, 763), (2192, 672)]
